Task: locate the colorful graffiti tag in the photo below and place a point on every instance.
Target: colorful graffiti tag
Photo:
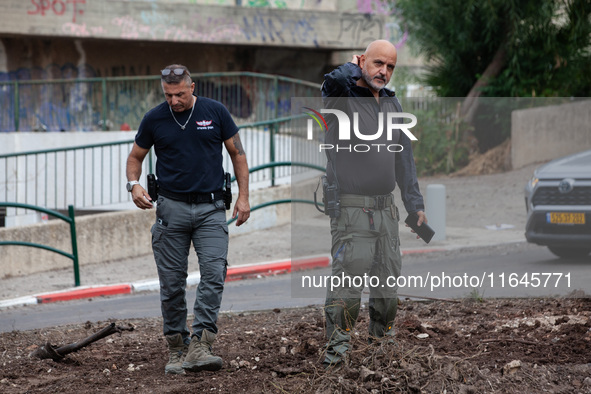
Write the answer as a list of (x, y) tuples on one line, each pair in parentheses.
[(57, 7)]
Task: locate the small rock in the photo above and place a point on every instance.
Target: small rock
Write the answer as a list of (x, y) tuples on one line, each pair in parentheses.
[(587, 382), (5, 381), (244, 363), (249, 332), (512, 367), (234, 364), (257, 359), (577, 383), (106, 371), (282, 350), (366, 374), (423, 336)]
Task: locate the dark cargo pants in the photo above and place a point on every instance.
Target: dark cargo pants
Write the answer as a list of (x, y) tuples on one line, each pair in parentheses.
[(177, 225), (359, 248)]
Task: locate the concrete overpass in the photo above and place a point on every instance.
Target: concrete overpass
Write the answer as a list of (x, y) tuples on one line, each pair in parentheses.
[(297, 38)]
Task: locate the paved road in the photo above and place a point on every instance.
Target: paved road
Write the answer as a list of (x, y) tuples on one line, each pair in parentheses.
[(246, 295), (517, 270), (502, 267)]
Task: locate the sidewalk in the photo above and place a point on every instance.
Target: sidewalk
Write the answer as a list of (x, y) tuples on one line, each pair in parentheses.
[(481, 211)]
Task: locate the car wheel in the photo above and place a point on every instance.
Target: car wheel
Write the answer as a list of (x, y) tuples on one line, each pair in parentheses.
[(569, 252)]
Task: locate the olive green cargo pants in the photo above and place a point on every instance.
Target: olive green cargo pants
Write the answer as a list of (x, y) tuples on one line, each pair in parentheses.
[(365, 243)]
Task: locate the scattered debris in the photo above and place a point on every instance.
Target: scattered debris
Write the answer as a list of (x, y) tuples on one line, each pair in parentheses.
[(58, 353), (497, 345)]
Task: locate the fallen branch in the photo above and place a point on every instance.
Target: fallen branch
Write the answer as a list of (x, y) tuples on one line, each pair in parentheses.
[(58, 353)]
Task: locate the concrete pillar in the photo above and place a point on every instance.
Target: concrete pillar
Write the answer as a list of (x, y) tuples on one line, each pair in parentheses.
[(435, 210)]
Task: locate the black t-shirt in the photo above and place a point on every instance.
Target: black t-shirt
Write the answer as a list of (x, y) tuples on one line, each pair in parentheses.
[(188, 160), (365, 167)]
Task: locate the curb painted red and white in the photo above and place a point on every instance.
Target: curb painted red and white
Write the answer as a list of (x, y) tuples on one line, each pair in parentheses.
[(233, 274), (241, 272)]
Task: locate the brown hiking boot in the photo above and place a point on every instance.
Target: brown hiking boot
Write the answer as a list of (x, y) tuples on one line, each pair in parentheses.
[(178, 350), (199, 357)]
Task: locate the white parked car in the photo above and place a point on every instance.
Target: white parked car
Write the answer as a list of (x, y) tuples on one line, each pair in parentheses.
[(558, 201)]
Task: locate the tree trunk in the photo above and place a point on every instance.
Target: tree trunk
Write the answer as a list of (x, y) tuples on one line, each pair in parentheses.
[(470, 104)]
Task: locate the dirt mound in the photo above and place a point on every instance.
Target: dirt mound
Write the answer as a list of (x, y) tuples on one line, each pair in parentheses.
[(509, 346), (495, 160)]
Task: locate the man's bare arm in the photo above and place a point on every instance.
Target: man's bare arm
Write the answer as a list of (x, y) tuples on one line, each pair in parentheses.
[(238, 157), (140, 196)]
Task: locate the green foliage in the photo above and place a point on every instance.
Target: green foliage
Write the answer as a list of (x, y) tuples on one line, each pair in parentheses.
[(403, 76), (475, 296), (441, 146), (547, 45)]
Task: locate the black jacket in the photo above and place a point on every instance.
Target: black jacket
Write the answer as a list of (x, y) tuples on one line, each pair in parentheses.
[(363, 165)]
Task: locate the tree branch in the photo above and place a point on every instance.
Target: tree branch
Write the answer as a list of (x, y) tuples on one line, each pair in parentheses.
[(58, 353), (495, 67)]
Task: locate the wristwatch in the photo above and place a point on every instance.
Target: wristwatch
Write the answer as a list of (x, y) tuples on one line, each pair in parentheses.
[(131, 184)]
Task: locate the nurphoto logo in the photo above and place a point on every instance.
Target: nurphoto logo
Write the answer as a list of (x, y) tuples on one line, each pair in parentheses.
[(344, 132)]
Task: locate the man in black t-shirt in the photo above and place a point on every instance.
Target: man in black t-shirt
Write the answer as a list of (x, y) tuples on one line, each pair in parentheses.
[(187, 133)]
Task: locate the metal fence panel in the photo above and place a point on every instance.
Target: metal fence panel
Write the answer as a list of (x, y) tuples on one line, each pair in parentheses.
[(115, 103)]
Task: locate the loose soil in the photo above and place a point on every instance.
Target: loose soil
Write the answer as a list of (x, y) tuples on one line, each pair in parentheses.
[(467, 346)]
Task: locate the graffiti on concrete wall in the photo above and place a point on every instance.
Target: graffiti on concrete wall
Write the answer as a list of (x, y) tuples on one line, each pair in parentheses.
[(79, 106), (277, 30), (52, 71), (359, 28), (274, 22), (256, 28), (267, 3), (202, 29), (73, 8), (393, 32)]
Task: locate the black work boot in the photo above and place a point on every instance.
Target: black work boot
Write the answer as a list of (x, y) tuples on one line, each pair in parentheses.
[(178, 350), (199, 357)]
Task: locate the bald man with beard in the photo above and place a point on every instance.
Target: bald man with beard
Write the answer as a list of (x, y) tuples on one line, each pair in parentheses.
[(365, 239)]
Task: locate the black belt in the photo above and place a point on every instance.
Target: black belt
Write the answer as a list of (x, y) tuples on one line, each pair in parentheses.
[(369, 202), (194, 198)]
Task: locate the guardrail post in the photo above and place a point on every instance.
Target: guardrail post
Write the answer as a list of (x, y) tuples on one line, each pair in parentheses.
[(74, 245), (435, 210), (16, 107), (272, 151), (104, 109)]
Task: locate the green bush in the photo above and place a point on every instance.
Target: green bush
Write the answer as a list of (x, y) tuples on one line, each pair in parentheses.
[(441, 147)]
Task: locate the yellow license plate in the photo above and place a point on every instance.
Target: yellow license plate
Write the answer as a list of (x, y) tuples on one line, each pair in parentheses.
[(565, 218)]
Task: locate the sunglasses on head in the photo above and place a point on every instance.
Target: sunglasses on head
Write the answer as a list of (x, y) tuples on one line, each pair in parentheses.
[(176, 71)]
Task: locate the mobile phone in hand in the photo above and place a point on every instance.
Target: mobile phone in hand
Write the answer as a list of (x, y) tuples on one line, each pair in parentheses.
[(423, 231)]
